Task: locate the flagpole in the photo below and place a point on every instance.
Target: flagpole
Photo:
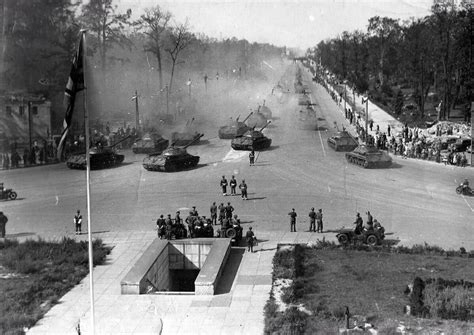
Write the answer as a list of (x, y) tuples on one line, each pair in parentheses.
[(88, 186)]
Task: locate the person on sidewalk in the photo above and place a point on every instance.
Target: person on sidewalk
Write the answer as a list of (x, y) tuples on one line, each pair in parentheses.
[(293, 216), (213, 213), (312, 220), (224, 185), (252, 158), (243, 189), (249, 237), (233, 185), (319, 221), (78, 222), (228, 211), (3, 223), (221, 212)]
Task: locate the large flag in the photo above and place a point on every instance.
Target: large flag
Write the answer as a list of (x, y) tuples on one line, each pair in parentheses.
[(75, 83)]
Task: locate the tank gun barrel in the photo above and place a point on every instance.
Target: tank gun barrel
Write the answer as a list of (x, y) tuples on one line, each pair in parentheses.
[(193, 141), (237, 119), (265, 126), (123, 139), (247, 117)]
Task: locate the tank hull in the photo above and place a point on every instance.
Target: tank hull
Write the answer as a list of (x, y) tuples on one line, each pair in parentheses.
[(258, 144), (147, 147), (97, 161), (172, 164), (228, 133), (183, 139), (341, 146), (367, 162)]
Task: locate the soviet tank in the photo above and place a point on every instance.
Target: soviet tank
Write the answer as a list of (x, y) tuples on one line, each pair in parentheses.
[(150, 143), (252, 140), (257, 120), (343, 141), (266, 112), (100, 157), (186, 137), (369, 157), (235, 128), (308, 119), (172, 159)]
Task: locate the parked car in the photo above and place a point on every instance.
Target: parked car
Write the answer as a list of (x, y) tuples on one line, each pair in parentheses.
[(462, 144)]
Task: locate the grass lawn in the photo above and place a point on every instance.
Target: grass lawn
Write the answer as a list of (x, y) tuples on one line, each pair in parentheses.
[(34, 275), (370, 283)]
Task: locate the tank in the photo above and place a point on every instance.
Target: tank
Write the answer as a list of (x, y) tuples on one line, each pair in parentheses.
[(234, 129), (257, 120), (266, 112), (343, 141), (100, 157), (186, 137), (308, 119), (150, 143), (252, 140), (369, 157), (172, 159)]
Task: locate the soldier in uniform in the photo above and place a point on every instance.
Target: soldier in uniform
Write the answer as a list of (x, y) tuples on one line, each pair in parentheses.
[(233, 185), (312, 220), (221, 212), (161, 227), (252, 157), (358, 222), (243, 189), (250, 236), (319, 221), (78, 222), (228, 211), (293, 216), (177, 218), (213, 213), (190, 222), (3, 223), (224, 185), (169, 227), (194, 212)]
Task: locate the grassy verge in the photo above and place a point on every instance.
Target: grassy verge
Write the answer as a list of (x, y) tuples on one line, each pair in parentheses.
[(36, 274), (370, 282)]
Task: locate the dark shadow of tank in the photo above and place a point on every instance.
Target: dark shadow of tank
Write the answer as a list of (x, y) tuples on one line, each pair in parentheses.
[(252, 140), (343, 141), (369, 157), (149, 143), (234, 129), (172, 159)]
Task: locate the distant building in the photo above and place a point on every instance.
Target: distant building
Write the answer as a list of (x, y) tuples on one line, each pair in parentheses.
[(22, 116)]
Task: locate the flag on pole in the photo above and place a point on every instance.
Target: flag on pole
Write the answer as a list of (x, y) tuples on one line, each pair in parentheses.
[(75, 83)]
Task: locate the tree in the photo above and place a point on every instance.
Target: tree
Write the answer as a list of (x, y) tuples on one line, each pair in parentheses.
[(180, 38), (153, 23)]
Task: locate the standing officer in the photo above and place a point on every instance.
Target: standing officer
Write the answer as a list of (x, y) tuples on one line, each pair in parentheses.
[(252, 157), (78, 222), (169, 226), (214, 213), (3, 223), (233, 185), (177, 218), (224, 185), (358, 222), (190, 222), (312, 220), (319, 220), (221, 212), (194, 212), (250, 236), (160, 226), (228, 211), (243, 189), (293, 216), (370, 220)]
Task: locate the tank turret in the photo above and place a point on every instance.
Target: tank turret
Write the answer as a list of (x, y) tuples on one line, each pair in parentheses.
[(174, 158), (234, 129), (186, 137), (257, 119), (343, 141), (150, 143), (252, 140), (266, 112), (369, 157), (99, 156)]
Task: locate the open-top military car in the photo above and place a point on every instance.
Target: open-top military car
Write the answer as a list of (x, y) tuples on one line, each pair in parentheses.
[(7, 193), (372, 236)]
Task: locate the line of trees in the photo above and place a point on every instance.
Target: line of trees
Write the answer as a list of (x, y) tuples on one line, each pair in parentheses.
[(430, 55), (36, 50)]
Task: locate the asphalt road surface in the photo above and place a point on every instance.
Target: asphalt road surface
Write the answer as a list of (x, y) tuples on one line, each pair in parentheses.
[(414, 200)]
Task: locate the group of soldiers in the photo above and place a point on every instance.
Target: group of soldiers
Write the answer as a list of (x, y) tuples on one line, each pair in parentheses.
[(314, 217), (370, 224), (233, 185)]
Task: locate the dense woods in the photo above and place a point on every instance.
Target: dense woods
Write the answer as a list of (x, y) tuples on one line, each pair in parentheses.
[(425, 60), (152, 54)]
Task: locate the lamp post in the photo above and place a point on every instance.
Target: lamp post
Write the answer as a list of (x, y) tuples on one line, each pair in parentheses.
[(137, 114), (29, 123)]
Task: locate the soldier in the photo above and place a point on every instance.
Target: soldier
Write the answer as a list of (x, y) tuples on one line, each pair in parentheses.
[(160, 226), (213, 213), (177, 218), (3, 223), (250, 236), (358, 222), (169, 227), (312, 220), (221, 212), (228, 211), (224, 185), (370, 220), (243, 189), (190, 222), (252, 157), (78, 222), (194, 212), (233, 185), (319, 221), (293, 216)]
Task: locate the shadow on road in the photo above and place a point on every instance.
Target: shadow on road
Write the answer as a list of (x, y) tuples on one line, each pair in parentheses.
[(230, 270), (257, 198), (19, 235)]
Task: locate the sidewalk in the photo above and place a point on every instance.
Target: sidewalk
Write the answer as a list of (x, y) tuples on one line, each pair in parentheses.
[(240, 310)]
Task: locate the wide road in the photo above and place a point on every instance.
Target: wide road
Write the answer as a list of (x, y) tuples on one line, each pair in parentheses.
[(414, 200)]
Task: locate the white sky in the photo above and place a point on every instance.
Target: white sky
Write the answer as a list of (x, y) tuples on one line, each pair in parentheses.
[(294, 23)]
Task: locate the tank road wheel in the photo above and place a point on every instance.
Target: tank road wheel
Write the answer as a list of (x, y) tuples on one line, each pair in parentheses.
[(12, 195), (343, 239), (459, 189), (372, 240), (230, 233)]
